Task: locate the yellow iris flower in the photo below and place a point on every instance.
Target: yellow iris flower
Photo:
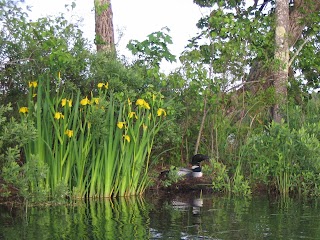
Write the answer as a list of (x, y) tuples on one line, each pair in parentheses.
[(133, 114), (106, 85), (95, 100), (145, 127), (33, 84), (85, 101), (120, 124), (161, 112), (65, 101), (142, 103), (23, 110), (58, 115), (127, 138), (69, 133)]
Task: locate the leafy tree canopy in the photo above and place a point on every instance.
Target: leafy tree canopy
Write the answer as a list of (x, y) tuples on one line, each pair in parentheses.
[(240, 34)]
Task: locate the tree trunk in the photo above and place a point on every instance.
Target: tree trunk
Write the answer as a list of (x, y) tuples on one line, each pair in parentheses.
[(281, 56), (104, 25), (262, 76), (205, 111)]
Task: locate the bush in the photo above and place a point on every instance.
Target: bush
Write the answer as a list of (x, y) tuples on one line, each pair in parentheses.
[(13, 136), (282, 157)]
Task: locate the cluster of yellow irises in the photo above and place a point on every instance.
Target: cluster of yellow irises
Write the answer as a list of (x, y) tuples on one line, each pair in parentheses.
[(65, 128), (142, 103), (32, 84), (85, 101)]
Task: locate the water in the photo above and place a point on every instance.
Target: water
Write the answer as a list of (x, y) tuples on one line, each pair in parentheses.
[(175, 217)]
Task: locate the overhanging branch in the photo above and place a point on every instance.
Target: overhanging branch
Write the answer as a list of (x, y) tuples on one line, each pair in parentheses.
[(298, 51)]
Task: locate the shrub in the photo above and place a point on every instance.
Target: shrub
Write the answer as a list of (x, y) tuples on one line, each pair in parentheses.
[(281, 156)]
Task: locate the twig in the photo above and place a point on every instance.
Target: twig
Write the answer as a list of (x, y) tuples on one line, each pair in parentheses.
[(16, 61), (298, 51)]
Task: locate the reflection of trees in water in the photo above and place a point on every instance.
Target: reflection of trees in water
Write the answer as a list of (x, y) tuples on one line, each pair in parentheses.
[(176, 217), (123, 218)]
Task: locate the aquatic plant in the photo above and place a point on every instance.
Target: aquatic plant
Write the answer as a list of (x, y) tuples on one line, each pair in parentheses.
[(94, 146)]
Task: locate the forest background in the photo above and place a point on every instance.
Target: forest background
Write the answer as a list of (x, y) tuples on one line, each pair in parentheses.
[(245, 95)]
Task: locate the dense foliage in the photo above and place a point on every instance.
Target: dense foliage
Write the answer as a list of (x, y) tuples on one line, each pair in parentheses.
[(218, 102)]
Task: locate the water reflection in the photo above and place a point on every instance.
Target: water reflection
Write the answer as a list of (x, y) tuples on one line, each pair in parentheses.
[(118, 219), (171, 217), (177, 217)]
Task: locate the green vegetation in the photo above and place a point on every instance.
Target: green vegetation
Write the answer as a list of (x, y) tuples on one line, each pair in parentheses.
[(96, 147), (91, 125), (71, 221), (172, 177)]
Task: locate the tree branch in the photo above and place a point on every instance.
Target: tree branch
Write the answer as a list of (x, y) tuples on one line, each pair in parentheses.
[(298, 51), (17, 61)]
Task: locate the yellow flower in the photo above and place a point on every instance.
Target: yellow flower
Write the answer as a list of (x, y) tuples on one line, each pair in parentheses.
[(146, 105), (63, 102), (69, 133), (133, 114), (142, 103), (126, 137), (144, 127), (161, 112), (33, 84), (85, 101), (121, 124), (106, 85), (95, 100), (129, 101), (59, 75), (58, 115), (23, 110), (34, 95)]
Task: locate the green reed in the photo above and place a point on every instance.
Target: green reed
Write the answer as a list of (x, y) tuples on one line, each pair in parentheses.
[(94, 146)]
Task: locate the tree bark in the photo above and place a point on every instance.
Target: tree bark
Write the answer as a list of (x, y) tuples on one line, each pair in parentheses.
[(261, 76), (281, 57), (300, 17), (205, 111), (104, 25)]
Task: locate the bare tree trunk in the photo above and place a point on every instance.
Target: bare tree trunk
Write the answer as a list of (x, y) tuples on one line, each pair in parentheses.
[(281, 57), (104, 25), (205, 111)]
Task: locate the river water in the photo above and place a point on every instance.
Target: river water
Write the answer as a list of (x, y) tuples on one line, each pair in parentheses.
[(172, 217)]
